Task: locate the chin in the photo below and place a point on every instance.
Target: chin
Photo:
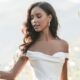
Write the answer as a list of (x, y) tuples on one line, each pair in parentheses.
[(37, 30)]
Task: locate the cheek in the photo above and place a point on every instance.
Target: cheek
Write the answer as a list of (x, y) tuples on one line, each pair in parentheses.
[(44, 22)]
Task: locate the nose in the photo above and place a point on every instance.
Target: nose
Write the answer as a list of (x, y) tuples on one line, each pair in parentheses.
[(34, 21)]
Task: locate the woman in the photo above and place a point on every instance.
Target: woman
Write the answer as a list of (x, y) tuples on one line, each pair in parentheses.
[(48, 54)]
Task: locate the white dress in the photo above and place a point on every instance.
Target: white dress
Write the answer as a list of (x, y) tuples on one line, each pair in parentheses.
[(47, 67)]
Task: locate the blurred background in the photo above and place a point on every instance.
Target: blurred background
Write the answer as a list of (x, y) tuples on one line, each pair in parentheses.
[(13, 14)]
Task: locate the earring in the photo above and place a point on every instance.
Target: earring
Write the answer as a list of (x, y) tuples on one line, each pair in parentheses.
[(49, 23)]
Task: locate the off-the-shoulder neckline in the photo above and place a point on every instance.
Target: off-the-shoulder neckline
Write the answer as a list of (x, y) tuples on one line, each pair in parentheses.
[(58, 52)]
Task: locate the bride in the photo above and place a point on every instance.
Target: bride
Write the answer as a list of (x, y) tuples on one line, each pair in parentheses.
[(47, 53)]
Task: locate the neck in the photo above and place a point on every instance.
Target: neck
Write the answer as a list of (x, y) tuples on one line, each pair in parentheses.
[(46, 36)]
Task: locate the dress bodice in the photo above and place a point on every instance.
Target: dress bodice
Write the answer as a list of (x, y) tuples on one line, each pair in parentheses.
[(47, 67)]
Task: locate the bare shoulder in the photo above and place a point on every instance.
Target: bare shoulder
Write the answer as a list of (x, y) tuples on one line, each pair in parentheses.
[(63, 45)]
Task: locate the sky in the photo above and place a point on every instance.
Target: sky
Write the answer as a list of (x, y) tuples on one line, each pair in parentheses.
[(13, 14)]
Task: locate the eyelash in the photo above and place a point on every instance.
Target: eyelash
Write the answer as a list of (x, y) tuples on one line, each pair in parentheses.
[(38, 16)]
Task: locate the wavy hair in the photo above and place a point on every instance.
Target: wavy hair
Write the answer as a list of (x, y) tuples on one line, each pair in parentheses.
[(33, 35)]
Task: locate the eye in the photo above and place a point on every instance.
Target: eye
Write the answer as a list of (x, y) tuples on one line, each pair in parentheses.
[(39, 16)]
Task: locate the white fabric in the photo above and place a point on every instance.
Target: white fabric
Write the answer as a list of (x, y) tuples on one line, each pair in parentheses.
[(47, 67)]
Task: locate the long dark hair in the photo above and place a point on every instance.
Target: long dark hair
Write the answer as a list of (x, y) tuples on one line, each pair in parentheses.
[(32, 33)]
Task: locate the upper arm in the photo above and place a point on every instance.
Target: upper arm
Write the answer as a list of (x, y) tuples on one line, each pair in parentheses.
[(18, 66), (65, 48), (64, 75), (11, 75)]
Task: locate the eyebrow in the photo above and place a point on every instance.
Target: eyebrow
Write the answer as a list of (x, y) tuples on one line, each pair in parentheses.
[(36, 14)]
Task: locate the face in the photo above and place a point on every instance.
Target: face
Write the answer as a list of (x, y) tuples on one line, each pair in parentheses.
[(39, 19)]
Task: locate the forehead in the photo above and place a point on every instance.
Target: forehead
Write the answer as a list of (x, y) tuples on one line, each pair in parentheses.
[(37, 10)]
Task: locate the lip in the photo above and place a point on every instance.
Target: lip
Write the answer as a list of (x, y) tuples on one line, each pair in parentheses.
[(36, 26)]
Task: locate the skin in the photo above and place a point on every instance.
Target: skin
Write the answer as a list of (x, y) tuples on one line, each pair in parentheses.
[(46, 44)]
